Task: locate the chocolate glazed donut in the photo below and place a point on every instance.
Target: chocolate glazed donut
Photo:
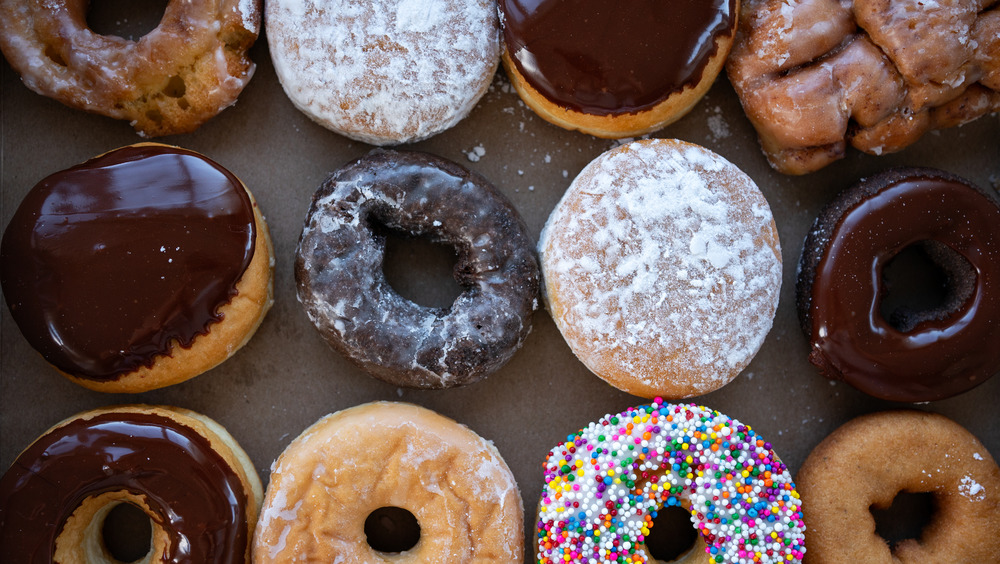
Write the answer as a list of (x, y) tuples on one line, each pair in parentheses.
[(338, 268), (917, 356)]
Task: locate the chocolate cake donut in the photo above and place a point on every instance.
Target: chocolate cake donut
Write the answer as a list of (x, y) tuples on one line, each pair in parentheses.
[(338, 267), (906, 355)]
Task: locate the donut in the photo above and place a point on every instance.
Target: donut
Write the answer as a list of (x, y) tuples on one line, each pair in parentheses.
[(182, 469), (816, 75), (605, 484), (615, 70), (388, 71), (192, 66), (661, 268), (383, 456), (847, 474), (341, 285), (140, 268), (909, 356)]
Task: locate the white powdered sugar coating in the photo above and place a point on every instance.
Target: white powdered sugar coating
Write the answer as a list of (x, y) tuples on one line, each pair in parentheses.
[(971, 489), (662, 266), (386, 72)]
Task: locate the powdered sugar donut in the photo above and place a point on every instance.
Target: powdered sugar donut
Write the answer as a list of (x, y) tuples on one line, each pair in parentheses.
[(661, 268), (384, 72), (605, 484)]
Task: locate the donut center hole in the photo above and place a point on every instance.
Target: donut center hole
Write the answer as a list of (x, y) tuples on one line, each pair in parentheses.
[(392, 530), (127, 533), (905, 518), (418, 269), (672, 534), (925, 281), (125, 18)]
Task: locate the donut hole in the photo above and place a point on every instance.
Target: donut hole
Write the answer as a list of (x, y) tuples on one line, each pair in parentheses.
[(392, 530), (127, 533), (125, 18), (906, 517), (419, 269), (672, 535), (926, 281)]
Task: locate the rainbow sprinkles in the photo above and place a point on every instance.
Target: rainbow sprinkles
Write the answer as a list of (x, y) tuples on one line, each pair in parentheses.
[(604, 485)]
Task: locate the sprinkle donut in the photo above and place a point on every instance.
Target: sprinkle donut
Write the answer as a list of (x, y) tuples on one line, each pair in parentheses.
[(169, 81), (848, 473), (343, 289), (605, 484)]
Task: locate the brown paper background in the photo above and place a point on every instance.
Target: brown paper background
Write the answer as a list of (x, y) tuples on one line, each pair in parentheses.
[(287, 377)]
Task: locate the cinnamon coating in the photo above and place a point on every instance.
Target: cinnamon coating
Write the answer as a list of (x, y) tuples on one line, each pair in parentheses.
[(814, 76)]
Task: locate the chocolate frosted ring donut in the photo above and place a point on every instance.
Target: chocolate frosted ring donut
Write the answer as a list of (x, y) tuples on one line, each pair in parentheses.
[(913, 356), (338, 268)]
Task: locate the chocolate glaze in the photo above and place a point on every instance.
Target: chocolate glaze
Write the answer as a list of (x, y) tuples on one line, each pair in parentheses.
[(612, 58), (105, 264), (342, 286), (941, 355), (196, 498)]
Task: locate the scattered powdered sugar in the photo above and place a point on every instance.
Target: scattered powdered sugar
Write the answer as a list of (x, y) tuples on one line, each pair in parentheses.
[(384, 72), (249, 13), (971, 489), (659, 262), (977, 456), (476, 153)]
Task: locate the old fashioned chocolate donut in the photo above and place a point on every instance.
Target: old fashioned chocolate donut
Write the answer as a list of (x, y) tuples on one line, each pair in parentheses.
[(182, 469), (192, 66), (912, 356), (847, 474), (140, 268), (338, 268)]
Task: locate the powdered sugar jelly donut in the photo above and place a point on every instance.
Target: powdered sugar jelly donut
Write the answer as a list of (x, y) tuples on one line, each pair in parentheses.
[(338, 488), (387, 71), (605, 484), (661, 268)]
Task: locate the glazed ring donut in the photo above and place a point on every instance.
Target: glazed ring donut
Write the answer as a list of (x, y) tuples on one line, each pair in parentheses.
[(384, 71), (358, 462), (662, 267), (815, 75), (847, 474), (171, 80), (182, 469), (913, 355), (126, 284), (338, 267), (615, 70), (604, 485)]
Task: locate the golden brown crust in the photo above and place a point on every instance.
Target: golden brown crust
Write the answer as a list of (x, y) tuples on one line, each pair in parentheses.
[(659, 116), (240, 319), (327, 482), (171, 80), (872, 458)]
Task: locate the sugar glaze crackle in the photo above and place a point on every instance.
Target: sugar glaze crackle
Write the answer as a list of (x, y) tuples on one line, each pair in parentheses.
[(604, 485)]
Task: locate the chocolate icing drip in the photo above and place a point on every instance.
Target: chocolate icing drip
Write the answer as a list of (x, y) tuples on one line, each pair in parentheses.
[(194, 494), (942, 355), (612, 58), (106, 264)]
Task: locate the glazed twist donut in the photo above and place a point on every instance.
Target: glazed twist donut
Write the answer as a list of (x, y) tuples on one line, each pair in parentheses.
[(815, 75), (171, 80), (604, 485)]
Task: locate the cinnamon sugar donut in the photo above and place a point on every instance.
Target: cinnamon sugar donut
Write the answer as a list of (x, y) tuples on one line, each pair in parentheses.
[(661, 268), (171, 80), (816, 75), (384, 72), (182, 469), (615, 69), (870, 459), (137, 269), (358, 462)]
